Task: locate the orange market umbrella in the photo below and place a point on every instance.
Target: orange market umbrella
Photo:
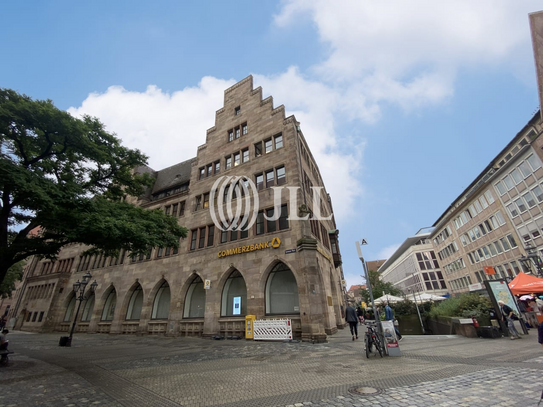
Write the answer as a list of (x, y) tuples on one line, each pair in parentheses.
[(526, 284)]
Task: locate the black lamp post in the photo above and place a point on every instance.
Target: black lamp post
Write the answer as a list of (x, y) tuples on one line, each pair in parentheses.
[(532, 258), (79, 293)]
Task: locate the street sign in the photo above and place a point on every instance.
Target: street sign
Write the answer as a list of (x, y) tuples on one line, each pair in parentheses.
[(290, 251)]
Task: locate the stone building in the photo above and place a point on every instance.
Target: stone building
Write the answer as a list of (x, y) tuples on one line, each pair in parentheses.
[(282, 268)]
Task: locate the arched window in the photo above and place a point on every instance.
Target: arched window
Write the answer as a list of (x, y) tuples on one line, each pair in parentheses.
[(87, 310), (195, 300), (234, 296), (282, 291), (109, 308), (134, 305), (161, 306), (70, 310)]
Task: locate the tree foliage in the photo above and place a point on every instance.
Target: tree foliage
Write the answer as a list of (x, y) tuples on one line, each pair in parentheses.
[(379, 287), (68, 176), (13, 275)]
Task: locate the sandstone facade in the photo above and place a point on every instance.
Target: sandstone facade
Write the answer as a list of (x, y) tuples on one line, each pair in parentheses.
[(252, 139)]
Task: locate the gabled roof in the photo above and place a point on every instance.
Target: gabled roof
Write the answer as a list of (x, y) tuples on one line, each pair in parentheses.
[(175, 175), (357, 287)]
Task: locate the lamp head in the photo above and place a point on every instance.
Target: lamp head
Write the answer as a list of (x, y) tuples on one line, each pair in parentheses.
[(86, 278), (93, 286), (76, 286)]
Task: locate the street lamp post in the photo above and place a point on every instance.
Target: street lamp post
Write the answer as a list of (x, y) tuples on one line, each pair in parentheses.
[(532, 258), (418, 311), (370, 290), (416, 305), (79, 293)]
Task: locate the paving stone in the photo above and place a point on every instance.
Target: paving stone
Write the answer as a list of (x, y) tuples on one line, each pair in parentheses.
[(166, 372)]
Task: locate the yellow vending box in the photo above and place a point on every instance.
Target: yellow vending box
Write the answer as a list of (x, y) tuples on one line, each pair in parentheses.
[(249, 326)]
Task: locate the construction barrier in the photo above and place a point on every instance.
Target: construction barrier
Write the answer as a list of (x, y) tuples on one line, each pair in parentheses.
[(272, 330)]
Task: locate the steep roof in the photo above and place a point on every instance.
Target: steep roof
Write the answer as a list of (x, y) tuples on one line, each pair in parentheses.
[(170, 177)]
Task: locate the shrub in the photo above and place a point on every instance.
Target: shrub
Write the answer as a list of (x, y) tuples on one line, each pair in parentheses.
[(405, 307), (465, 305)]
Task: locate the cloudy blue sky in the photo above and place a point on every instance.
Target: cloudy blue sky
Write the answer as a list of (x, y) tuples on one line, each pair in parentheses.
[(403, 103)]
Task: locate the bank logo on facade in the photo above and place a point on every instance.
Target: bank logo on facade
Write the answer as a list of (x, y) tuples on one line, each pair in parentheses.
[(276, 242)]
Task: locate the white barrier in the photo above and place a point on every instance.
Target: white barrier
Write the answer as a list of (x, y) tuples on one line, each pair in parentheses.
[(272, 330)]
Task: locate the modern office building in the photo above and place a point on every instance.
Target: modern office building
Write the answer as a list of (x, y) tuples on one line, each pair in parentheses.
[(414, 267), (278, 267), (494, 228), (489, 229)]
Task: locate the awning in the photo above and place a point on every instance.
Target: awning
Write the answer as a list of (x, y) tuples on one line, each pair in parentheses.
[(526, 284)]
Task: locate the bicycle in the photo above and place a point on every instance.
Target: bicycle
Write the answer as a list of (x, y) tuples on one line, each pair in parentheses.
[(372, 339)]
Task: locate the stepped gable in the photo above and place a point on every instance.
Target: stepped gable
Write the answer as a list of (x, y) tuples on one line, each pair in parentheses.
[(246, 86), (172, 176)]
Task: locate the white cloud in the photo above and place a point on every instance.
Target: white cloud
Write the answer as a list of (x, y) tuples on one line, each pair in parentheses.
[(166, 127), (170, 127), (409, 52)]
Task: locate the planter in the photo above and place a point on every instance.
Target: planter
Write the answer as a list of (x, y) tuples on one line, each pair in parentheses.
[(409, 325), (440, 325)]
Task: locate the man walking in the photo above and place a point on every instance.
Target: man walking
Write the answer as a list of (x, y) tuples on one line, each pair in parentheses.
[(352, 319), (507, 317), (389, 316)]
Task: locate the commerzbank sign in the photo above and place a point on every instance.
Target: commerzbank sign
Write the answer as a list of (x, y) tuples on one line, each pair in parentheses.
[(274, 244)]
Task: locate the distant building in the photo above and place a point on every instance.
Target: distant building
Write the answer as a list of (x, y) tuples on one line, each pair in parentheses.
[(414, 268), (494, 228), (375, 264), (353, 294)]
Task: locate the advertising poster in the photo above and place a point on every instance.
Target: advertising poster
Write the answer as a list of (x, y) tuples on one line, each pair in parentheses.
[(390, 334), (237, 306), (501, 292)]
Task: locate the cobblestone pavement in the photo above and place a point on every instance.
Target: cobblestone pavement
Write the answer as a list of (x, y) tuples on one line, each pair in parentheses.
[(116, 370)]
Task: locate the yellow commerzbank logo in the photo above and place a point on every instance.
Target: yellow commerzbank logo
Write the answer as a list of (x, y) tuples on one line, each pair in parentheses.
[(275, 243)]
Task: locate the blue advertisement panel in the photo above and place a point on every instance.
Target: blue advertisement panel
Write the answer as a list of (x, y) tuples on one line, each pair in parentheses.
[(237, 306)]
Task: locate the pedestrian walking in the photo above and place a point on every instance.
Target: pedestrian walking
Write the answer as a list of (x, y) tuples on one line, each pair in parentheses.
[(352, 319), (507, 317), (389, 316), (360, 314)]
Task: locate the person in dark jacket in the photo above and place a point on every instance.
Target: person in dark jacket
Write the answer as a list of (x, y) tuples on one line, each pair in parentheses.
[(352, 319), (507, 317), (360, 314)]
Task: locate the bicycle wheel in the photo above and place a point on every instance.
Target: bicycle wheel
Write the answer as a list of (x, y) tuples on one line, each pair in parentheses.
[(367, 344), (379, 346)]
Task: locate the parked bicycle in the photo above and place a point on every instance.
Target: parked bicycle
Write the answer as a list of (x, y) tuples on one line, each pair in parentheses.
[(372, 339)]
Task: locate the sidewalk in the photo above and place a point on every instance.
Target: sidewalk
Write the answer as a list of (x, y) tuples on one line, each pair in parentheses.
[(104, 370)]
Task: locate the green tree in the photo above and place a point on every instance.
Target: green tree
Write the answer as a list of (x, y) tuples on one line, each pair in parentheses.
[(379, 287), (13, 275), (68, 176)]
